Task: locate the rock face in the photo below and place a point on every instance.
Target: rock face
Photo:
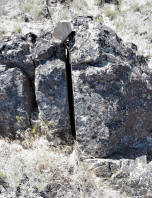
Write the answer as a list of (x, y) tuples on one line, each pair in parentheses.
[(51, 93), (16, 84), (16, 53), (51, 84), (112, 90), (41, 85), (15, 102), (46, 48)]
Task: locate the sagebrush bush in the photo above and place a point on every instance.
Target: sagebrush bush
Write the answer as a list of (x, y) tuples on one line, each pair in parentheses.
[(17, 29), (111, 12), (33, 7)]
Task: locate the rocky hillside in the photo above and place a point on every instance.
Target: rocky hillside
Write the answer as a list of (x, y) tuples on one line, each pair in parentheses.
[(75, 99), (130, 19)]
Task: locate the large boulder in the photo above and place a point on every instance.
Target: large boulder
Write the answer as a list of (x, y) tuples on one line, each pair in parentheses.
[(15, 102), (112, 90)]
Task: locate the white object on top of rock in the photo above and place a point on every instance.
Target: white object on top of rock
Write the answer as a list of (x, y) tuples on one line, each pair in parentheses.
[(62, 30)]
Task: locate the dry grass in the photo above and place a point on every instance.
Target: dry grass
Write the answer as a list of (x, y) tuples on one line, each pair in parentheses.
[(110, 11), (32, 7), (17, 29), (42, 164), (35, 161)]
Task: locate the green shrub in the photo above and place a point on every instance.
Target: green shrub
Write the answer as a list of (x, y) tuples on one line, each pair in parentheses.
[(99, 19), (120, 24), (19, 119), (79, 4), (97, 2), (2, 175), (17, 29), (34, 7), (110, 12)]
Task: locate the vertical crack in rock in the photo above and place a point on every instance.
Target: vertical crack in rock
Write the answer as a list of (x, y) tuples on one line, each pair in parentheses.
[(34, 105), (70, 89)]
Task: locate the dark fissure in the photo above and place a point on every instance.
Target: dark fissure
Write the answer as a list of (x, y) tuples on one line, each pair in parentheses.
[(70, 90), (34, 105)]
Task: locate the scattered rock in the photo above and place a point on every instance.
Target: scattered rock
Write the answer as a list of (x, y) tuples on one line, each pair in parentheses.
[(53, 189), (102, 2), (26, 19), (31, 37), (105, 168)]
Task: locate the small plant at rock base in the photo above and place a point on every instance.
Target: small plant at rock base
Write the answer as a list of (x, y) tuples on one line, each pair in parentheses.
[(19, 119), (99, 19), (35, 131), (51, 123), (44, 124), (47, 124)]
